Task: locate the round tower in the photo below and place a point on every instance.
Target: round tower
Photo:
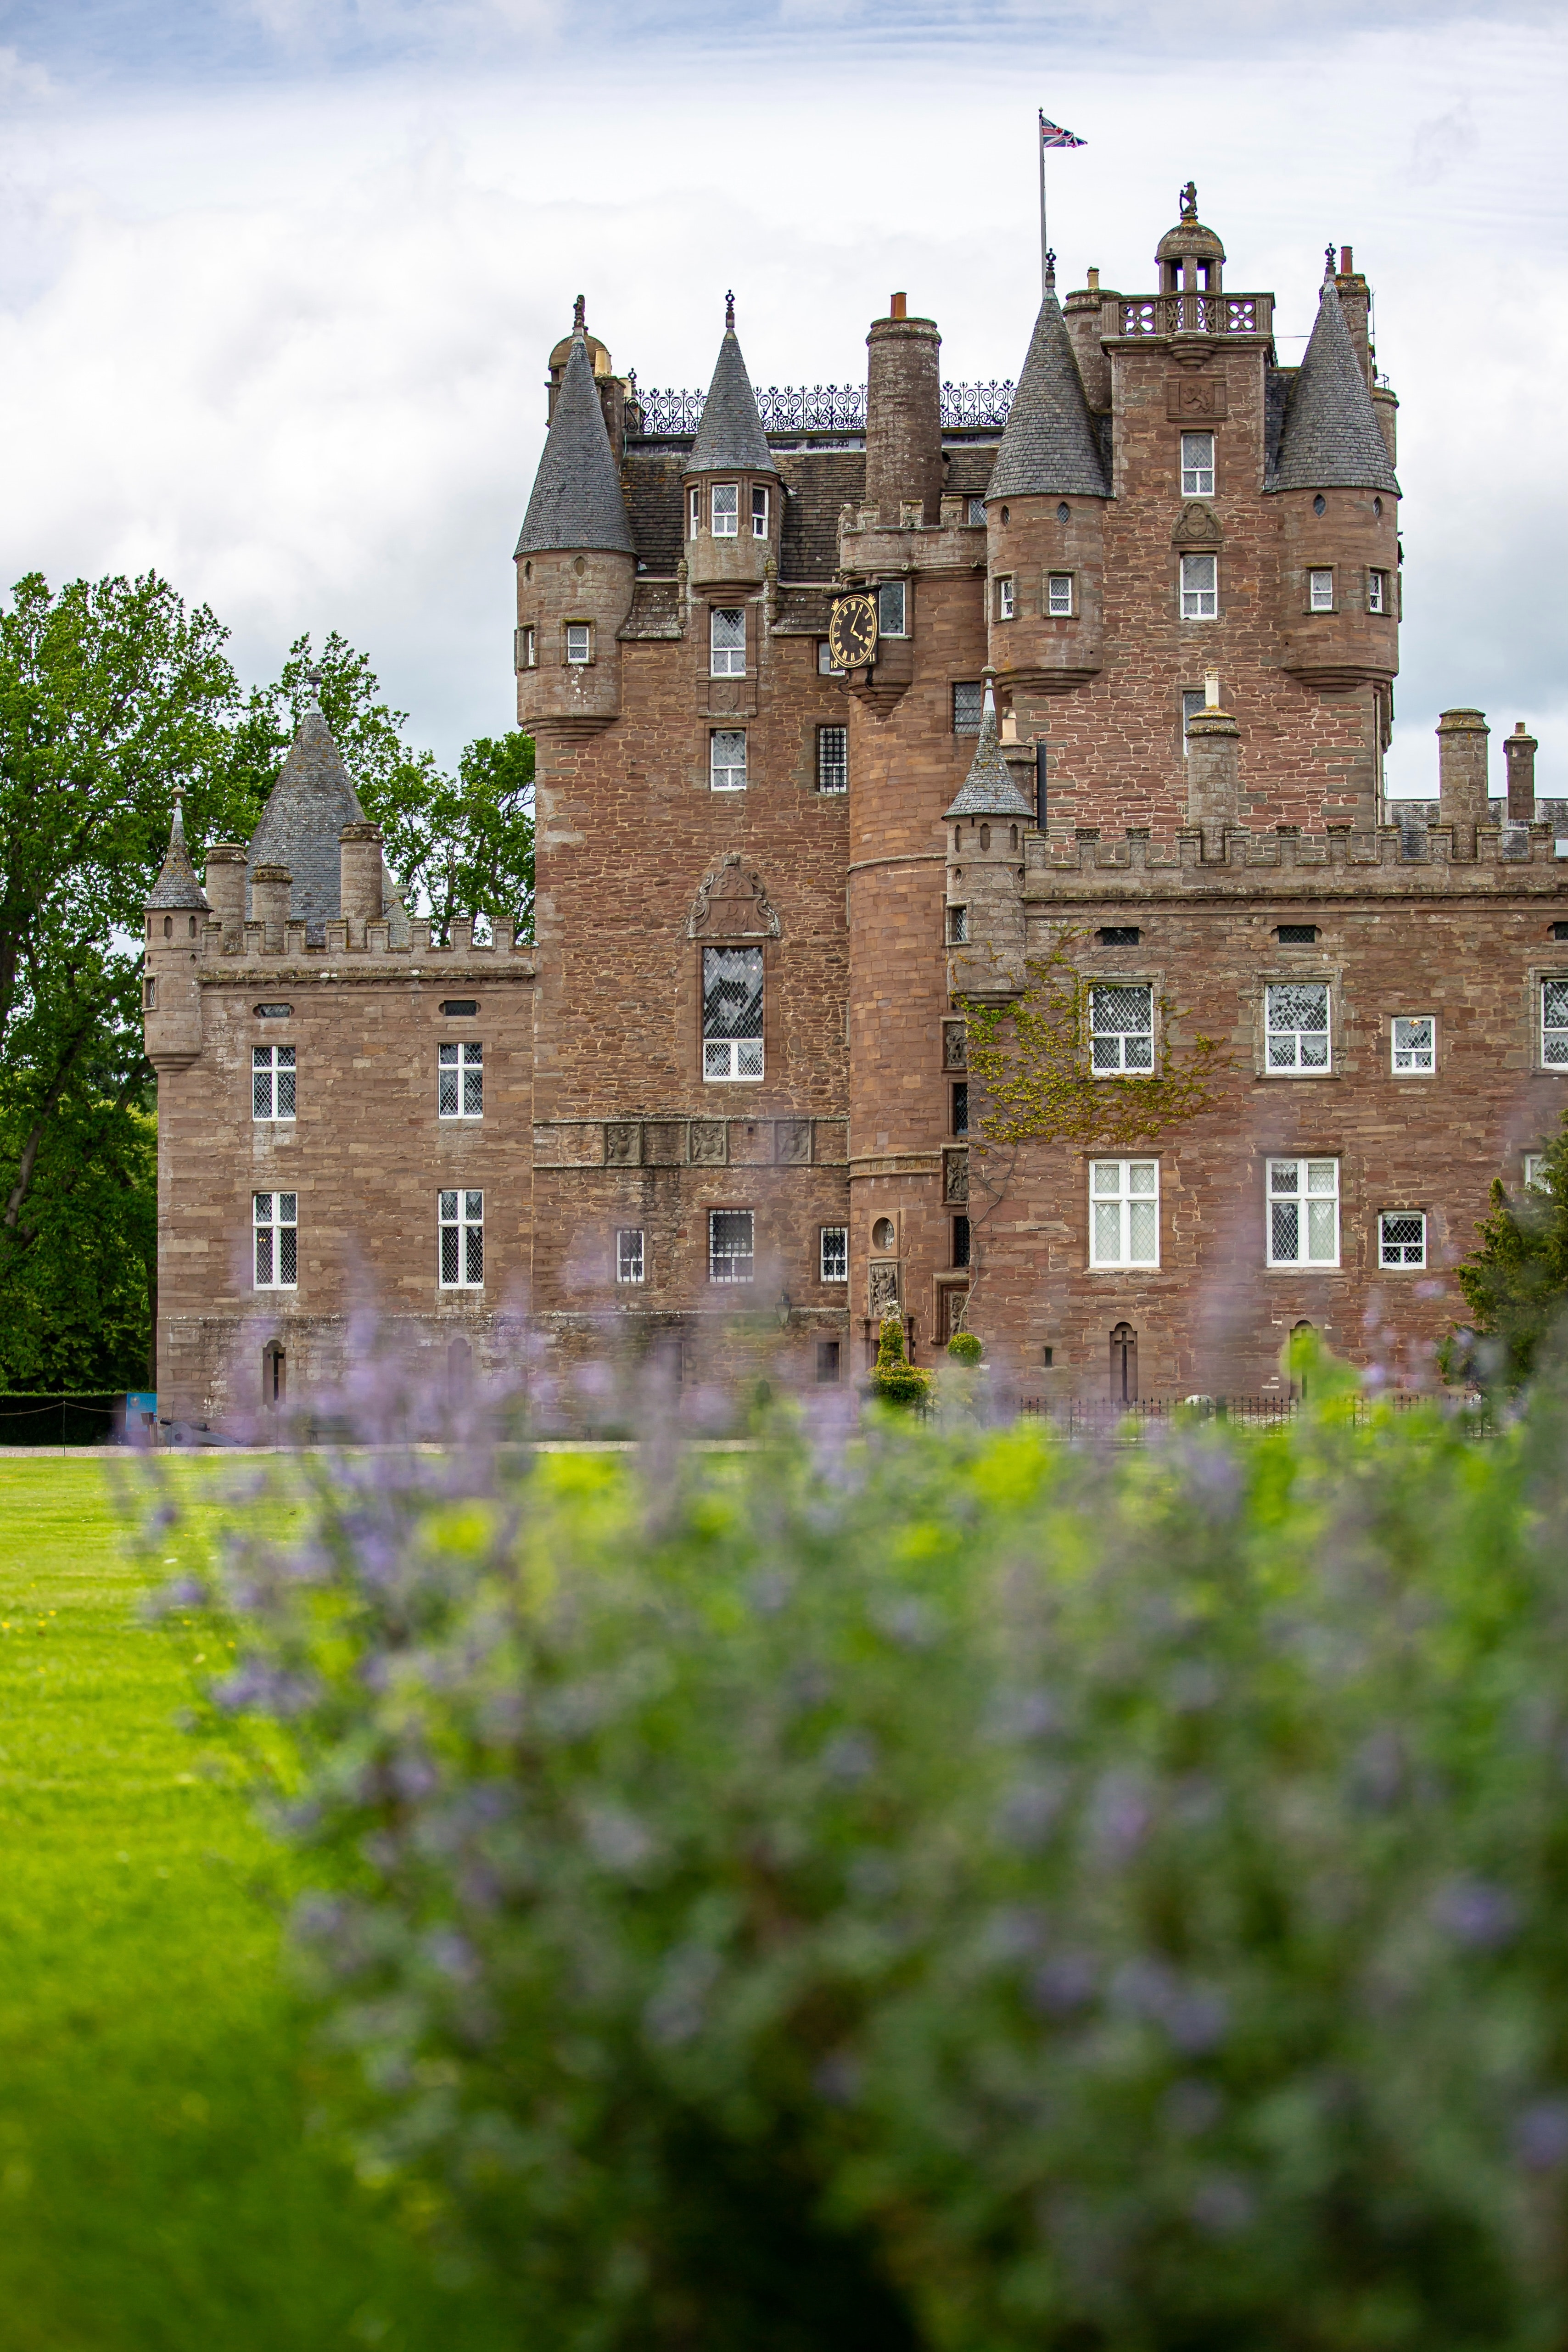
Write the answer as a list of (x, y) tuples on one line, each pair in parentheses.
[(732, 489)]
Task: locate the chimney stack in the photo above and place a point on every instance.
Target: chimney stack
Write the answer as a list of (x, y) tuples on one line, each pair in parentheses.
[(225, 887), (1214, 771), (359, 879), (1462, 775), (1518, 750), (903, 415), (269, 889)]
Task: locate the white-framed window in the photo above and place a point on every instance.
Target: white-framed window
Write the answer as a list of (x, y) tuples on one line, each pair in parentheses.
[(1303, 1213), (1414, 1044), (759, 511), (1402, 1237), (1058, 596), (1194, 701), (1200, 587), (1321, 592), (1377, 591), (833, 758), (579, 644), (1124, 1212), (630, 1256), (835, 1253), (732, 1013), (825, 665), (893, 610), (1555, 1025), (727, 768), (726, 509), (968, 706), (727, 641), (462, 1232), (694, 514), (530, 650), (1295, 1020), (275, 1222), (731, 1244), (1004, 597), (1122, 1031), (272, 1082), (957, 927), (460, 1081), (1534, 1161), (1197, 465)]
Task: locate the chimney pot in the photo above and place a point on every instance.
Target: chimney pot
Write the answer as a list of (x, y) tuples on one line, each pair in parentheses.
[(1347, 261), (899, 307)]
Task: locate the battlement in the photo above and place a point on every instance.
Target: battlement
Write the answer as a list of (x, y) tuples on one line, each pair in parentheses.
[(1440, 861), (227, 957)]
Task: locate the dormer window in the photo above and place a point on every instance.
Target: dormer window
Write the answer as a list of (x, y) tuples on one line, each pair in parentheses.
[(726, 509), (579, 644), (1197, 465), (727, 641), (759, 511), (892, 616)]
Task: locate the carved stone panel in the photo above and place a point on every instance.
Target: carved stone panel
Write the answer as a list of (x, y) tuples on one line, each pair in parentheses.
[(706, 1142), (954, 1045), (733, 904), (663, 1142), (955, 1175), (884, 1287), (1193, 398), (1197, 525), (792, 1142), (623, 1139)]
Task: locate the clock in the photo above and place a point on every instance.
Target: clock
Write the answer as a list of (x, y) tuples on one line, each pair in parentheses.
[(852, 632)]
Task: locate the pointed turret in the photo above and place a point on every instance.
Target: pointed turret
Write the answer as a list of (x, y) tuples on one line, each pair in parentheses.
[(1049, 446), (988, 790), (576, 503), (306, 812), (988, 816), (729, 439), (1331, 438), (732, 485), (176, 886), (177, 911)]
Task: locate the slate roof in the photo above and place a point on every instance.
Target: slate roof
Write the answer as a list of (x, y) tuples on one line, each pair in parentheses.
[(1050, 445), (576, 499), (308, 806), (1330, 438), (176, 885), (818, 482), (988, 790), (729, 438)]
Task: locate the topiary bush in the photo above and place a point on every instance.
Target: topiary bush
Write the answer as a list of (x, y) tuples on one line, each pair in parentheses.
[(964, 1348), (894, 1379), (953, 1892)]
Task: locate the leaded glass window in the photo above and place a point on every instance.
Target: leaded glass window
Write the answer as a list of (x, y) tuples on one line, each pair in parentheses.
[(727, 771), (579, 643), (1321, 591), (1554, 1023), (1297, 1025), (629, 1254), (462, 1232), (726, 509), (1197, 465), (275, 1220), (732, 1013), (891, 609), (833, 758), (461, 1092), (968, 700), (731, 1247), (836, 1253), (1401, 1238), (1122, 1031), (727, 641), (759, 511), (1124, 1212), (1058, 596), (1200, 587), (1303, 1213), (272, 1082), (1414, 1044)]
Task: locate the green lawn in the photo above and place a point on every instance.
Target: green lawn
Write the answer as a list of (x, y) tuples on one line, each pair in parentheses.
[(160, 2183)]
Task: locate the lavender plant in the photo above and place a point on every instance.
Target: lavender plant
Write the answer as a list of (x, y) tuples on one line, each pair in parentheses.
[(948, 1890)]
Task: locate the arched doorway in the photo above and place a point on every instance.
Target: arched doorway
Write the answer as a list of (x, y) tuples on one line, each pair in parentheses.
[(1123, 1365), (274, 1375), (1298, 1369)]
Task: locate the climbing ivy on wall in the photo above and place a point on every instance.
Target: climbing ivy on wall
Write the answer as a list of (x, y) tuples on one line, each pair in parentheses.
[(1030, 1059)]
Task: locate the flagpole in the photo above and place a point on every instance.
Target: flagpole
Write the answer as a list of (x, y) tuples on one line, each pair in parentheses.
[(1040, 137)]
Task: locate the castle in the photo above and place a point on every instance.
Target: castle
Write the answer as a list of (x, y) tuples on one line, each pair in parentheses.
[(964, 887)]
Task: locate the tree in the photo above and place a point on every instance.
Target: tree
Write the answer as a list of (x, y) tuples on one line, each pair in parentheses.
[(1515, 1281)]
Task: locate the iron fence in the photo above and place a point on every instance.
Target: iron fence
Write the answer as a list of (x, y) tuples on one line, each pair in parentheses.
[(1130, 1419), (814, 408)]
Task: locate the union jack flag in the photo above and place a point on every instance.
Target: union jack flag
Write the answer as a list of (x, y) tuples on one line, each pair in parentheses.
[(1053, 135)]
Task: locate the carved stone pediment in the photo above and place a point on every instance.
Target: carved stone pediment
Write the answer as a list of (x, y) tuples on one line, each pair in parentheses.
[(1197, 525), (733, 904)]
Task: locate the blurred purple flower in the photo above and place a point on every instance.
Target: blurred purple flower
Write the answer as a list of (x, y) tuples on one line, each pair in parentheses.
[(1476, 1913), (1540, 2136)]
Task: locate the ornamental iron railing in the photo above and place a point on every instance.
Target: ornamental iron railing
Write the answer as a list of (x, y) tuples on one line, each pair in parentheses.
[(814, 408), (1125, 1420)]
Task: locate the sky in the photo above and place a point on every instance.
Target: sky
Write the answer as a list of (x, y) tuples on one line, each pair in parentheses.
[(278, 278)]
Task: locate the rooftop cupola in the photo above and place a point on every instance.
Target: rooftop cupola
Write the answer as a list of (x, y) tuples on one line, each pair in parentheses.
[(1190, 257), (732, 485)]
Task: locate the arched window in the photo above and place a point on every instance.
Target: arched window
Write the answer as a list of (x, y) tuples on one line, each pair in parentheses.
[(1299, 1384), (1123, 1364), (274, 1375)]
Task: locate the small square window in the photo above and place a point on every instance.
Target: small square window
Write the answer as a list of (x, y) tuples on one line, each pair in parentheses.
[(727, 771), (1004, 597), (893, 610), (977, 512), (629, 1255), (1401, 1238), (1554, 1023), (960, 1108), (460, 1081), (1058, 596), (1124, 1212), (1377, 591), (275, 1225), (1297, 1026), (957, 927), (727, 641), (579, 643), (461, 1226), (1200, 587), (1321, 591), (960, 1240), (834, 1258), (1414, 1046), (968, 702), (1197, 465), (833, 758), (1559, 932), (726, 509), (826, 1363), (732, 1013), (272, 1082), (1303, 1213), (732, 1246), (759, 511), (825, 665), (1121, 1031)]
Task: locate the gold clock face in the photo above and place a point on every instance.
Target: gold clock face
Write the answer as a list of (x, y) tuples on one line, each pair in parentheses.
[(852, 632)]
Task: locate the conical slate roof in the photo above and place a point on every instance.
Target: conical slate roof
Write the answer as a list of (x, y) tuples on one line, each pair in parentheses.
[(576, 500), (1330, 438), (729, 439), (1050, 446), (988, 790), (308, 806), (176, 885)]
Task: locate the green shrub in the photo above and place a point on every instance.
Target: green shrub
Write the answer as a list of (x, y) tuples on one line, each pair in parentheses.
[(894, 1379), (964, 1348), (957, 1893)]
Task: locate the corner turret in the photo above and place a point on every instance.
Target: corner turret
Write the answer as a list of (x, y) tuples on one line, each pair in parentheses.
[(986, 821), (177, 912), (732, 487)]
